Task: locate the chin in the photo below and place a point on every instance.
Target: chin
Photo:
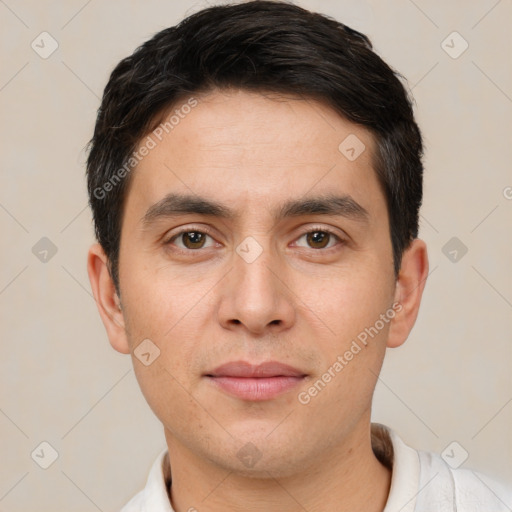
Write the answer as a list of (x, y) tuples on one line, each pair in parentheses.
[(260, 457)]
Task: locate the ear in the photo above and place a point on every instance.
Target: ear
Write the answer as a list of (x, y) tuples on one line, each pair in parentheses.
[(109, 305), (408, 292)]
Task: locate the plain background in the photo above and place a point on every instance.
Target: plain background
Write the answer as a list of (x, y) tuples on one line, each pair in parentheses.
[(62, 383)]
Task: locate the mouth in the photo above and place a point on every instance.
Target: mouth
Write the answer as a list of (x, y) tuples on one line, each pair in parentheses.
[(256, 382)]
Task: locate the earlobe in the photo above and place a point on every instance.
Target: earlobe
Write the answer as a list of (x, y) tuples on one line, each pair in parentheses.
[(106, 298), (409, 290)]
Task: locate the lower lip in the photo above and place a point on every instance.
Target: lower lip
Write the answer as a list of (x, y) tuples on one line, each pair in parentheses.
[(256, 389)]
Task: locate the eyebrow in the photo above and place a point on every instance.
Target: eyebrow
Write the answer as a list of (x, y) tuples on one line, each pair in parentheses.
[(174, 204)]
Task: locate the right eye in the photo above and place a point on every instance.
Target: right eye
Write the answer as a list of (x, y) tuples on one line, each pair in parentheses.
[(189, 239)]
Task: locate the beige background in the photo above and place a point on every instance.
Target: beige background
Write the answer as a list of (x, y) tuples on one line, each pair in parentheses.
[(60, 380)]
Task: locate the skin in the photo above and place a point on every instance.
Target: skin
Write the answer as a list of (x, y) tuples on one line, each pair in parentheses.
[(297, 303)]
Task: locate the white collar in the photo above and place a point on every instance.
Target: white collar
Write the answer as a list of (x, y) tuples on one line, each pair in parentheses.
[(405, 476)]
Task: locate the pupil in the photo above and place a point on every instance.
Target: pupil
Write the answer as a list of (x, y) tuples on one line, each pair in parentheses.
[(194, 238), (318, 237)]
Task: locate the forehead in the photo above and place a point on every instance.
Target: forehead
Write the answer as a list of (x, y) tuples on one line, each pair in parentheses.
[(254, 148)]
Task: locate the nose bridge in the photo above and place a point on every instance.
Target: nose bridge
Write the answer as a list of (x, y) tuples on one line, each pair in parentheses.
[(254, 267), (256, 296)]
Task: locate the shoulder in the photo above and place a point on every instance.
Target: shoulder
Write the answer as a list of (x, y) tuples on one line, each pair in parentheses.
[(467, 490), (136, 504), (154, 497), (428, 482)]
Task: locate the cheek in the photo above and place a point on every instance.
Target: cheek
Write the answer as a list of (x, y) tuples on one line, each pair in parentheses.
[(155, 297), (351, 301), (172, 309), (354, 346), (351, 357), (168, 397), (169, 319)]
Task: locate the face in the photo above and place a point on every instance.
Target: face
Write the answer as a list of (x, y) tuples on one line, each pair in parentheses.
[(266, 295)]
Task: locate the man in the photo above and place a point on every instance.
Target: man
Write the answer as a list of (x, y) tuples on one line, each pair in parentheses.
[(255, 178)]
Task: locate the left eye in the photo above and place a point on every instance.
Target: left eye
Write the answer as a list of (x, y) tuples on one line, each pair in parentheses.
[(319, 239)]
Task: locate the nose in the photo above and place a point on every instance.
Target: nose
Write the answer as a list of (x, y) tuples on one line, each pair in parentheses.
[(256, 296)]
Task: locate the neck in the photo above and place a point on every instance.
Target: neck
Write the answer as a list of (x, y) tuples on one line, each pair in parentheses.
[(347, 478)]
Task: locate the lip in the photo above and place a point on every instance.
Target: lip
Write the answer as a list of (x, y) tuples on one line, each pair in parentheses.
[(256, 382)]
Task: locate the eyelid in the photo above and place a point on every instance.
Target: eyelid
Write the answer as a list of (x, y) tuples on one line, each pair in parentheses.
[(327, 229)]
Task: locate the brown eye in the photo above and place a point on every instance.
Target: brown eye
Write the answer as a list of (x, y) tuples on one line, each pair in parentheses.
[(319, 239), (193, 239), (190, 240)]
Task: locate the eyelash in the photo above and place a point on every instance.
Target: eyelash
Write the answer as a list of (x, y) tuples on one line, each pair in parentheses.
[(206, 231)]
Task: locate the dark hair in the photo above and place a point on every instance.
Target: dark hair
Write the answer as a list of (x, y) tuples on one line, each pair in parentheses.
[(265, 46)]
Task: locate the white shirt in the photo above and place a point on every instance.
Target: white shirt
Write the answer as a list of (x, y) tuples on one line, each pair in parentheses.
[(420, 482)]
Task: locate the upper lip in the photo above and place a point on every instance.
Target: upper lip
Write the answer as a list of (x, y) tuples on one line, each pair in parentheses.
[(248, 370)]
